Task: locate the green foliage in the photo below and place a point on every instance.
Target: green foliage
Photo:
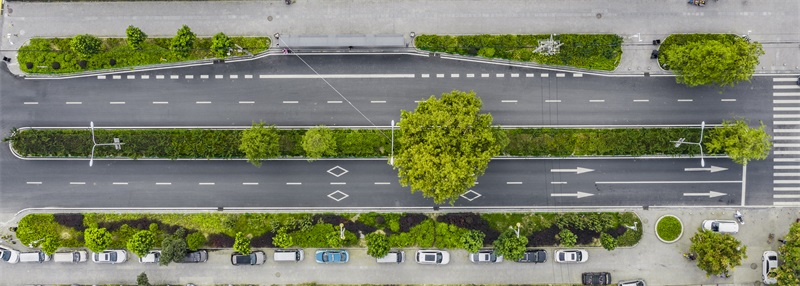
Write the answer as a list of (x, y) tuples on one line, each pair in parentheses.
[(567, 238), (195, 241), (739, 141), (669, 228), (608, 242), (259, 143), (334, 240), (173, 248), (510, 246), (141, 280), (153, 227), (135, 37), (183, 42), (601, 52), (472, 240), (282, 239), (446, 144), (220, 44), (630, 237), (142, 242), (318, 142), (717, 253), (85, 45), (377, 245), (710, 59), (34, 228), (787, 272), (242, 244), (50, 244), (97, 239)]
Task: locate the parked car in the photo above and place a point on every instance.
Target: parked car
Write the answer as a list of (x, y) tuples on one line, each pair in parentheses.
[(395, 256), (9, 255), (721, 226), (769, 261), (111, 256), (36, 256), (636, 282), (534, 256), (571, 255), (433, 257), (485, 256), (254, 258), (596, 278), (70, 257), (332, 256), (195, 256), (151, 257)]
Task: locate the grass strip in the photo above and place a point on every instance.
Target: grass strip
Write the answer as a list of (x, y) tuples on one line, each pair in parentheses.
[(669, 228)]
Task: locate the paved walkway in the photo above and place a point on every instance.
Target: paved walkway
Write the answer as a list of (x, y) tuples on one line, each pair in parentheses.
[(656, 262), (771, 22)]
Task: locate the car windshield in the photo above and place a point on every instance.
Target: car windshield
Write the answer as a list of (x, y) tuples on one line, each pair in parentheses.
[(577, 256), (112, 256), (715, 226), (6, 255)]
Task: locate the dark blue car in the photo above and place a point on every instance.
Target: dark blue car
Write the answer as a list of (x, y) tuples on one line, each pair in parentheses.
[(332, 256)]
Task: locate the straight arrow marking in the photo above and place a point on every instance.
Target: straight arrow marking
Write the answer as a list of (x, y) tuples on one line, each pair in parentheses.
[(712, 169), (577, 195), (577, 170), (710, 194)]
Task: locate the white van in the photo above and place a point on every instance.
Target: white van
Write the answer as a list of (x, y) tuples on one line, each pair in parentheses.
[(288, 255), (393, 257), (37, 257), (70, 257)]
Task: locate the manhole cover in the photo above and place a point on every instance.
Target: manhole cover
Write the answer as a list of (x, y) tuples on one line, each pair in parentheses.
[(753, 266), (599, 15), (277, 274), (269, 18)]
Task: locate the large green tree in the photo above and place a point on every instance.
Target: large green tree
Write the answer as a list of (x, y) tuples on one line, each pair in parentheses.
[(51, 244), (446, 145), (85, 45), (318, 142), (97, 239), (717, 253), (173, 248), (220, 44), (472, 240), (141, 242), (135, 37), (787, 273), (259, 143), (183, 42), (739, 141), (242, 243), (377, 244), (713, 62), (510, 246)]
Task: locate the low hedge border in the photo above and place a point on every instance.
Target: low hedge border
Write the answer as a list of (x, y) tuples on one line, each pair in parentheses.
[(594, 52), (351, 143)]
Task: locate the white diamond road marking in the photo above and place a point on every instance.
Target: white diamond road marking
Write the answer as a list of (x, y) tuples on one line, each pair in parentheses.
[(337, 171), (338, 195), (470, 195)]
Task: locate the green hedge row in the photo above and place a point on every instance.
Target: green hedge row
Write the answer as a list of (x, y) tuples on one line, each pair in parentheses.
[(596, 52), (43, 52), (674, 40), (201, 143)]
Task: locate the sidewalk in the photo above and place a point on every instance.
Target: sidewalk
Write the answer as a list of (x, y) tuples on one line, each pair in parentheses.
[(770, 22), (656, 262)]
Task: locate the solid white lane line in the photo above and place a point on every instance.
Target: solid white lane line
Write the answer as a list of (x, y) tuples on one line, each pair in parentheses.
[(786, 189), (250, 183), (174, 76), (131, 77), (234, 76), (339, 76), (544, 75), (786, 116), (641, 100), (786, 101), (290, 101), (31, 102), (338, 183), (560, 75), (425, 75), (203, 76), (597, 100), (786, 196), (685, 100), (786, 122), (74, 102), (514, 75), (248, 76), (484, 75), (202, 102), (206, 184), (577, 75), (145, 76), (439, 75), (119, 183), (786, 175), (513, 183), (34, 183), (668, 182), (786, 204), (552, 100), (783, 79), (454, 75), (786, 159), (786, 130), (160, 76), (117, 102), (786, 109), (786, 167), (786, 138), (790, 145), (786, 86), (160, 102), (558, 183), (294, 183), (787, 153), (189, 76), (508, 101), (728, 100), (77, 183), (529, 75), (783, 182), (163, 183), (116, 77), (786, 94), (334, 101), (246, 102), (382, 183), (377, 101), (101, 77), (219, 76), (470, 75)]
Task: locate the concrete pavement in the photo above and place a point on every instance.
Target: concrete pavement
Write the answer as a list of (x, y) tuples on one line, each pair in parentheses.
[(656, 262)]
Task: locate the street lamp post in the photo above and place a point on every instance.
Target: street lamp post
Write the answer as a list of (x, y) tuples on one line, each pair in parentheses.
[(117, 145), (341, 231), (391, 159), (683, 141), (516, 230)]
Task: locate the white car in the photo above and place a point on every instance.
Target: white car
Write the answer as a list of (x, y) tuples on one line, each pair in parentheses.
[(432, 257), (151, 257), (9, 255), (485, 256), (111, 256), (721, 226), (769, 262), (571, 255)]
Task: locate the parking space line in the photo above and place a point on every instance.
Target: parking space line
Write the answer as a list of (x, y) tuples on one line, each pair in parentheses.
[(786, 101)]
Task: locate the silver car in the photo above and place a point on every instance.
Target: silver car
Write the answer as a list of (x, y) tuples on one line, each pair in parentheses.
[(432, 257), (485, 256), (769, 261), (111, 256)]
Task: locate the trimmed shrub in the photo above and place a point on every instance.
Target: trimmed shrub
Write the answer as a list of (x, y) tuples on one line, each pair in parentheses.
[(669, 228)]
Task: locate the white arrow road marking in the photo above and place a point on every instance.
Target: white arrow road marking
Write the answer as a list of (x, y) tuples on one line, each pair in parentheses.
[(578, 170), (710, 194), (712, 169), (577, 195)]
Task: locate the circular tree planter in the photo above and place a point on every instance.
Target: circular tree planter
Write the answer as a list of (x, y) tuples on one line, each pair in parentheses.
[(56, 65), (29, 65), (82, 64), (112, 62), (669, 229)]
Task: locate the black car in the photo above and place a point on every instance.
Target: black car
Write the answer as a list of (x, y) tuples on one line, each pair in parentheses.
[(254, 258), (534, 256), (596, 278), (195, 256)]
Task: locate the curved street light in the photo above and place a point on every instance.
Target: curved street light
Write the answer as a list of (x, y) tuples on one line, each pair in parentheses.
[(683, 141), (117, 145)]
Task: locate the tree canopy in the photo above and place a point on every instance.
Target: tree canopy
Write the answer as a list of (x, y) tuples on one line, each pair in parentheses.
[(377, 245), (85, 45), (739, 141), (241, 244), (135, 37), (141, 242), (446, 145), (787, 272), (259, 143), (173, 248), (510, 246), (472, 240), (183, 42), (713, 62), (220, 44), (717, 253), (97, 239), (318, 142)]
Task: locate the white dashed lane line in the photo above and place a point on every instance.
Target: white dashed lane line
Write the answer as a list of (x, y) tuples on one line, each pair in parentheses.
[(160, 102), (560, 75), (31, 102), (250, 183), (500, 75), (455, 75), (513, 183), (206, 184), (163, 184), (77, 183), (641, 100), (174, 76), (131, 77), (290, 101), (484, 75), (202, 102), (294, 183), (439, 75), (144, 76), (382, 183), (234, 76), (116, 77), (577, 75), (338, 183), (33, 183), (728, 99), (470, 75), (377, 101), (509, 101), (101, 77), (558, 183), (529, 75), (218, 76), (160, 76), (119, 183), (597, 100), (203, 76), (426, 75), (189, 76), (545, 75), (74, 102), (685, 100), (334, 101), (552, 101), (514, 75), (117, 102), (248, 76), (247, 102)]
